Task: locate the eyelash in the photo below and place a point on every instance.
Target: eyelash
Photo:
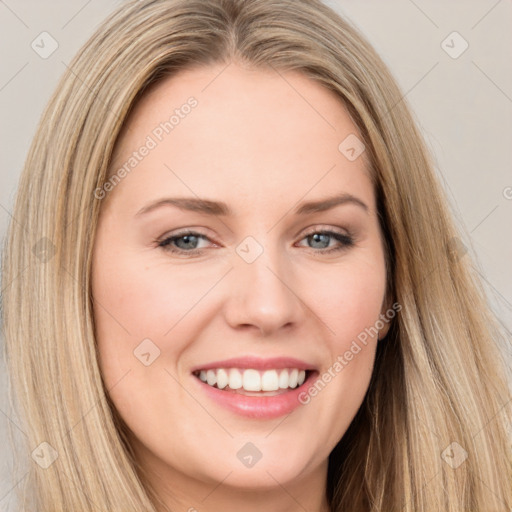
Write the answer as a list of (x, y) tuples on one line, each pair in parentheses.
[(346, 241)]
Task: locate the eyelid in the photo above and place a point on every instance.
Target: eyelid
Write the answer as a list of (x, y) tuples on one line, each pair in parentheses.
[(319, 227)]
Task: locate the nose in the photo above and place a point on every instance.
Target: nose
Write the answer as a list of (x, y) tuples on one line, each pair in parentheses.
[(263, 295)]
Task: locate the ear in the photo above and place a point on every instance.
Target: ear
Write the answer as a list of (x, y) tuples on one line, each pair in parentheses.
[(384, 331), (386, 317)]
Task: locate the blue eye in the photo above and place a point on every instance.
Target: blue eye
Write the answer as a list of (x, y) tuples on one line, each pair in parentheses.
[(184, 242), (187, 242), (321, 238)]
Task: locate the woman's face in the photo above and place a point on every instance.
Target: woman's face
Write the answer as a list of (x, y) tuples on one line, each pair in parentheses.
[(210, 263)]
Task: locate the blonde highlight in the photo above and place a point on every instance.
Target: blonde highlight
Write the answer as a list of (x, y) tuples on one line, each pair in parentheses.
[(416, 404)]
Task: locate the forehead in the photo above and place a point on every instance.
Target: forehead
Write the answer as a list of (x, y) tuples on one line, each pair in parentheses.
[(261, 132)]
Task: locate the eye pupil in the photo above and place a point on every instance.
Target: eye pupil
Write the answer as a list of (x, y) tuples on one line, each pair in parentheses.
[(317, 237), (188, 239)]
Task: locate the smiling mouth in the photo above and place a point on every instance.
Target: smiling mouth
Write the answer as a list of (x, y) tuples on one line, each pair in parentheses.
[(252, 382)]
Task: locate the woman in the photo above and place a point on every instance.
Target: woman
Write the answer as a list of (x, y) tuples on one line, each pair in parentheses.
[(322, 345)]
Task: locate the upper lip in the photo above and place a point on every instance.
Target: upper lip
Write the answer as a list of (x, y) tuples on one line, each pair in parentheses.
[(257, 363)]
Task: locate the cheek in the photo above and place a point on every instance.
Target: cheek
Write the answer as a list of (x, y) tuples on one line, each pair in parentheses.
[(141, 329), (349, 299), (349, 303), (136, 300), (141, 307)]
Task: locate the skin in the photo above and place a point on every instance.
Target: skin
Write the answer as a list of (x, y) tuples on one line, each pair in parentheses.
[(262, 142)]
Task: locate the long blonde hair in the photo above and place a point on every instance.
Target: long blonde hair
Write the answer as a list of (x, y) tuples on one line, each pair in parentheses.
[(439, 375)]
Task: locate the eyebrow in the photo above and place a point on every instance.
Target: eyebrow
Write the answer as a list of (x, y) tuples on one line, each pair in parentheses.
[(208, 207)]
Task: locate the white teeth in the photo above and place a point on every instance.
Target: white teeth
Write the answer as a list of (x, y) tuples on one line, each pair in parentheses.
[(292, 379), (235, 379), (211, 377), (283, 379), (270, 381), (222, 379), (253, 380)]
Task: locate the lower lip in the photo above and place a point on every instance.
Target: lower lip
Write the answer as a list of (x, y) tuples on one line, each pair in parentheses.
[(261, 407)]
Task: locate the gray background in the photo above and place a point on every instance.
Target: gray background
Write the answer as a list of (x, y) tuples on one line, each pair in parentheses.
[(463, 106)]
